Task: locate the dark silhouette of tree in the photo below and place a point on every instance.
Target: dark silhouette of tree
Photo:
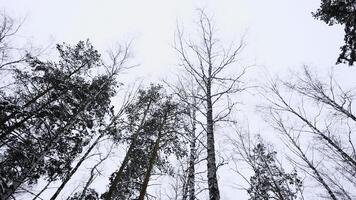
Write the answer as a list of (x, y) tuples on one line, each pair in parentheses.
[(51, 115), (151, 131), (119, 59), (269, 180), (341, 12), (207, 62)]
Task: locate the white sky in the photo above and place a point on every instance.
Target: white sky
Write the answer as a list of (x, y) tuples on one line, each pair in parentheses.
[(281, 34)]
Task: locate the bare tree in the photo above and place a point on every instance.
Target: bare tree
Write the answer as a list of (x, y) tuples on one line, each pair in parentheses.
[(8, 30), (294, 145), (207, 62), (186, 91), (316, 121)]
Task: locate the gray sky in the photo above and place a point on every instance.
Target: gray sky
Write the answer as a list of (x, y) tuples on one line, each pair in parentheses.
[(281, 34)]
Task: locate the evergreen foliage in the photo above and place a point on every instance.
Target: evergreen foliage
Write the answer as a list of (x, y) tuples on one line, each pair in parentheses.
[(270, 181), (51, 115), (341, 12)]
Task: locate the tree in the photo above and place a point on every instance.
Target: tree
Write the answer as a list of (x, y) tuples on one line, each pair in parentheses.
[(186, 92), (341, 12), (9, 54), (51, 116), (151, 127), (166, 126), (316, 127), (137, 114), (87, 192), (293, 143), (119, 59), (207, 63), (269, 180)]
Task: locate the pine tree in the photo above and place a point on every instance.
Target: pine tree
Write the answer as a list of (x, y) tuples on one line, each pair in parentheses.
[(270, 181), (341, 12), (51, 115), (151, 131)]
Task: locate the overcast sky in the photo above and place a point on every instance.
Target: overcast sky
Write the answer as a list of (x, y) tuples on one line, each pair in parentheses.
[(281, 35)]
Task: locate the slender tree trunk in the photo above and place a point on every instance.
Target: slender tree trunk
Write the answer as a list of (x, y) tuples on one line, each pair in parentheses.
[(82, 159), (185, 189), (151, 163), (214, 193), (192, 158), (126, 158), (351, 161), (44, 188), (87, 184), (315, 171), (320, 179), (152, 160), (93, 175)]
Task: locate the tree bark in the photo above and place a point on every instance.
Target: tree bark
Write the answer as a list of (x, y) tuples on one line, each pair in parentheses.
[(191, 171), (214, 193), (150, 167), (152, 160)]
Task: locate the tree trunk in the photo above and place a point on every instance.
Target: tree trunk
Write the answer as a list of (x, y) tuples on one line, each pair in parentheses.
[(44, 188), (152, 160), (192, 157), (214, 193), (151, 163), (315, 171)]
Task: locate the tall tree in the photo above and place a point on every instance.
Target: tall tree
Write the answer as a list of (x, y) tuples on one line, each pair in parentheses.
[(150, 131), (317, 127), (50, 117), (137, 116), (119, 59), (187, 92), (293, 143), (166, 125), (208, 62), (341, 12)]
